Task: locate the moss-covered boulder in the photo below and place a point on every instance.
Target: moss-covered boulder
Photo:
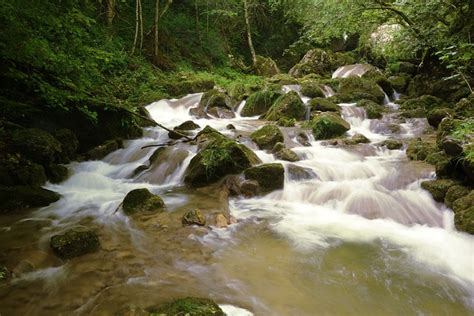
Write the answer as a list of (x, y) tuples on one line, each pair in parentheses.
[(392, 144), (444, 164), (328, 125), (215, 98), (446, 128), (219, 156), (419, 150), (69, 144), (23, 197), (315, 61), (455, 192), (288, 105), (57, 173), (74, 243), (399, 83), (426, 102), (283, 153), (260, 102), (465, 107), (193, 217), (357, 139), (37, 145), (464, 213), (438, 188), (187, 86), (355, 89), (452, 146), (265, 66), (267, 136), (184, 129), (380, 79), (191, 306), (323, 105), (286, 122), (372, 109), (436, 115), (269, 176), (14, 171), (103, 150), (311, 89), (142, 201), (283, 79)]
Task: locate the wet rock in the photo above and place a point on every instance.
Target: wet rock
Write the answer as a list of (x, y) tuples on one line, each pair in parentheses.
[(260, 102), (356, 89), (230, 127), (438, 188), (193, 217), (452, 146), (288, 105), (69, 144), (455, 192), (311, 89), (373, 110), (23, 197), (267, 136), (300, 173), (221, 113), (328, 125), (57, 173), (323, 105), (184, 129), (464, 213), (140, 169), (393, 128), (287, 155), (315, 61), (416, 113), (303, 139), (380, 79), (357, 139), (399, 83), (219, 156), (103, 150), (14, 171), (219, 220), (419, 150), (191, 306), (142, 201), (425, 102), (468, 163), (215, 98), (446, 128), (265, 66), (37, 145), (435, 116), (249, 188), (283, 79), (270, 176), (392, 144), (75, 242), (186, 86)]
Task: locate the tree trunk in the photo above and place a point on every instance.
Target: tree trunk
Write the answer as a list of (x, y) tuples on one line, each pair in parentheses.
[(141, 24), (157, 20), (249, 34), (196, 9), (110, 11), (135, 38)]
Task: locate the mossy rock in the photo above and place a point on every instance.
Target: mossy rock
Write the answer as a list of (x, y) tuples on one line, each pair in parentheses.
[(74, 243), (286, 122), (419, 150), (328, 125), (425, 102), (142, 201), (399, 83), (446, 128), (184, 87), (311, 89), (373, 110), (392, 144), (341, 59), (380, 79), (37, 145), (323, 105), (183, 129), (69, 144), (357, 139), (14, 171), (416, 113), (193, 217), (23, 197), (192, 306), (267, 136), (283, 79), (57, 173), (265, 66), (435, 116), (219, 156), (355, 88), (455, 192), (465, 107), (438, 188), (103, 150), (269, 176), (444, 164), (260, 102), (315, 61), (215, 98), (286, 155), (464, 213), (288, 105)]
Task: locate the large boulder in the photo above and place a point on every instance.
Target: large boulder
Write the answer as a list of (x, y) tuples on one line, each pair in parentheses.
[(215, 103), (103, 150), (269, 176), (219, 156), (266, 67), (37, 145), (323, 105), (455, 192), (191, 306), (372, 109), (311, 88), (315, 61), (328, 125), (267, 136), (438, 188), (425, 102), (22, 197), (419, 150), (142, 201), (464, 213), (69, 144), (75, 242), (465, 107), (354, 89), (260, 102), (399, 83), (187, 86), (15, 171), (288, 105), (435, 116)]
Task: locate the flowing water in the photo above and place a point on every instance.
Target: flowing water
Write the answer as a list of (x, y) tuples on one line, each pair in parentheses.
[(358, 237)]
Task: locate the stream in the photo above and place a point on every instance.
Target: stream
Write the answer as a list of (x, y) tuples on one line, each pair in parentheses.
[(360, 237)]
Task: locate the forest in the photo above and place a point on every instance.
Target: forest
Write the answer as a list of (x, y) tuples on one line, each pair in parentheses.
[(236, 157)]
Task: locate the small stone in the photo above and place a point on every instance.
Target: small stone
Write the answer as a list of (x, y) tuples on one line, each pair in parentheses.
[(221, 221), (392, 144), (230, 127), (4, 274), (142, 200), (193, 217)]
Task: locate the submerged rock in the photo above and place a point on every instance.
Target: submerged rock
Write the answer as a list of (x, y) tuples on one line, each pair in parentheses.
[(392, 144), (249, 188), (357, 139), (260, 102), (328, 125), (269, 176), (23, 197), (288, 105), (193, 217), (191, 306), (300, 173), (464, 213), (75, 242), (140, 201), (267, 136), (438, 188)]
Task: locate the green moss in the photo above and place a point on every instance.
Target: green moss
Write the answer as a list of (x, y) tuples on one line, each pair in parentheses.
[(265, 66), (193, 217), (260, 102), (327, 125), (323, 105), (142, 200), (438, 188), (399, 83), (392, 144), (419, 150), (286, 122), (455, 192), (214, 98), (464, 213), (288, 105), (75, 242), (425, 102), (267, 136), (357, 88), (373, 110), (311, 89), (435, 116), (283, 79), (270, 176), (191, 306)]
